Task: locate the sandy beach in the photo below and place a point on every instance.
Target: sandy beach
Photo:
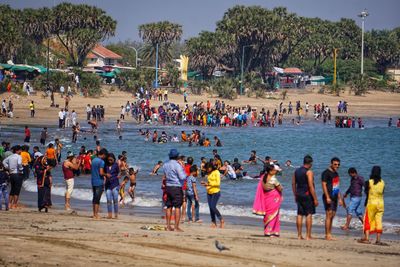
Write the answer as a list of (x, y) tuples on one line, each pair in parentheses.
[(58, 238), (373, 104)]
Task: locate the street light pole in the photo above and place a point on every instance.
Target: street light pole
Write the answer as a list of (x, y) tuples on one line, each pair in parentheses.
[(362, 15), (136, 55), (241, 69), (156, 84)]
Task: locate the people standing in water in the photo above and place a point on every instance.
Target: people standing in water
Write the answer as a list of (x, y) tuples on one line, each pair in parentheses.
[(268, 200), (374, 190), (44, 183), (27, 138), (305, 197), (98, 180), (132, 182), (213, 187), (355, 192), (252, 159), (112, 186), (331, 195), (69, 166), (174, 176)]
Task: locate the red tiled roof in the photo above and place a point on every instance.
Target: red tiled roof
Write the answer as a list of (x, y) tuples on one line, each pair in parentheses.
[(103, 52)]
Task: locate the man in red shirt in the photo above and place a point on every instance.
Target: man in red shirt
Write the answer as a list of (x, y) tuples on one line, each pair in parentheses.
[(27, 134)]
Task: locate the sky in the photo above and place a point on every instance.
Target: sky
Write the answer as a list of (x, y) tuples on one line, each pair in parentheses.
[(201, 15)]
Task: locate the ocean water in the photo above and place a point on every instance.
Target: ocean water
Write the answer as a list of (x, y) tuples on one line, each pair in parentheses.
[(375, 145)]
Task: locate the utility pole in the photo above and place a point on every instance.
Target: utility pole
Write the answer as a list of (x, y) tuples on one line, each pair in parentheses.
[(241, 69), (362, 15), (334, 65), (156, 83)]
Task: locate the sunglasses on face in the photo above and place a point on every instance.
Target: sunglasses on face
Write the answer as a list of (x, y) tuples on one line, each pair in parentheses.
[(336, 164)]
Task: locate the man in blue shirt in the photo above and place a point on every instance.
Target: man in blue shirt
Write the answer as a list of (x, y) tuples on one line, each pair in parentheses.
[(98, 179), (175, 176)]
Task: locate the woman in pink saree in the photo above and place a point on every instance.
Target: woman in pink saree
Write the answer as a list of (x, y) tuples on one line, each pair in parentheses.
[(267, 201)]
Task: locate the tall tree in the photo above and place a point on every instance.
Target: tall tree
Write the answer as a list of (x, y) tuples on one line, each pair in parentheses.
[(80, 27), (164, 34), (208, 50), (10, 34), (383, 47)]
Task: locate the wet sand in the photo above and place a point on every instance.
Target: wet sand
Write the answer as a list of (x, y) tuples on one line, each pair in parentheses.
[(30, 238)]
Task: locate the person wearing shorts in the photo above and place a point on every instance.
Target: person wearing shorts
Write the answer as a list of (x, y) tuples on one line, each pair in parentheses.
[(331, 196), (175, 176), (305, 196), (68, 167), (98, 179), (355, 192), (13, 164)]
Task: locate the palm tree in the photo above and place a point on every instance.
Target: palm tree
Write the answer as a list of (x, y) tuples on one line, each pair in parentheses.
[(80, 27), (162, 33), (10, 34)]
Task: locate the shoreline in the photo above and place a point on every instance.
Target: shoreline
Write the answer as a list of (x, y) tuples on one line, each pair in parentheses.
[(374, 104), (253, 222)]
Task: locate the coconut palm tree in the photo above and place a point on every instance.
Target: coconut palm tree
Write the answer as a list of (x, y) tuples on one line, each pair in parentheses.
[(162, 33)]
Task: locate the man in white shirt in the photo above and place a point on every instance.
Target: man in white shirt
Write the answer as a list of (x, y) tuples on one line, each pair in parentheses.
[(122, 116), (13, 164), (61, 116), (88, 112), (62, 90)]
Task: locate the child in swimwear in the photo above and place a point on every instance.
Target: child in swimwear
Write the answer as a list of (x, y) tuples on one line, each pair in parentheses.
[(122, 190), (132, 186)]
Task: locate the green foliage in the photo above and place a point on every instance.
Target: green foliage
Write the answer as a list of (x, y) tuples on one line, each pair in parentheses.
[(125, 50), (132, 80), (163, 33), (56, 79), (208, 50), (77, 27), (224, 88), (359, 84), (10, 34), (92, 83), (198, 87), (336, 89), (383, 47)]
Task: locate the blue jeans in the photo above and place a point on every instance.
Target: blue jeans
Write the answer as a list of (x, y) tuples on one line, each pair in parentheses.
[(4, 193), (190, 200), (212, 204), (112, 199), (353, 208)]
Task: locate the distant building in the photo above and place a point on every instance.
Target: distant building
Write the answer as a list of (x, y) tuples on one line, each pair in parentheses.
[(101, 56), (394, 73)]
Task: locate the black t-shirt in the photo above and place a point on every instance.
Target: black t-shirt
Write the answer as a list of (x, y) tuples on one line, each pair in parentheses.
[(332, 182), (252, 158), (236, 166)]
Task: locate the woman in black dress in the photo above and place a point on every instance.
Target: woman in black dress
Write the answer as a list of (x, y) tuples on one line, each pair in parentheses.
[(44, 181)]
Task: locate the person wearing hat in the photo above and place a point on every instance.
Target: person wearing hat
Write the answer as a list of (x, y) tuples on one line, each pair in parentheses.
[(175, 176), (70, 165)]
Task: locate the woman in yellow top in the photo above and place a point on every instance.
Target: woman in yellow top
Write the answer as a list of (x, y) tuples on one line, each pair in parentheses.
[(374, 189), (213, 187)]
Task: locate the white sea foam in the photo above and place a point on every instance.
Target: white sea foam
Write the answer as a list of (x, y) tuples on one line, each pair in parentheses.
[(227, 210)]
